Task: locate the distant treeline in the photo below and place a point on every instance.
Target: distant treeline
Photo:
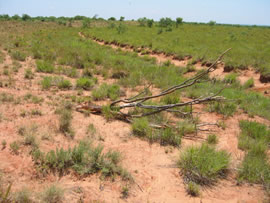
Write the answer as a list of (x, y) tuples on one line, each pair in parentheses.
[(163, 22)]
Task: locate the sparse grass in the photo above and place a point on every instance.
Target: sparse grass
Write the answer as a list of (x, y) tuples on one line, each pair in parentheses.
[(186, 127), (65, 120), (4, 144), (14, 146), (141, 128), (106, 91), (170, 99), (255, 167), (170, 137), (45, 67), (85, 83), (212, 139), (249, 83), (23, 196), (17, 55), (91, 130), (83, 159), (204, 164), (225, 108), (28, 74), (252, 134), (60, 82), (53, 194), (6, 97)]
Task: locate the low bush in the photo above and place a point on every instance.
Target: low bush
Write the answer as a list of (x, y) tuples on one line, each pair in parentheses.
[(65, 120), (249, 83), (169, 137), (186, 127), (203, 164)]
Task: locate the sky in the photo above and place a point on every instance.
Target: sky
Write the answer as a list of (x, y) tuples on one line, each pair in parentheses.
[(249, 12)]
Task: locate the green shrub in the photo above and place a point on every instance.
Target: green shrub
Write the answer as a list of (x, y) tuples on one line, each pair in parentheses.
[(106, 91), (231, 79), (193, 189), (84, 83), (141, 128), (204, 164), (212, 139), (44, 67), (53, 194)]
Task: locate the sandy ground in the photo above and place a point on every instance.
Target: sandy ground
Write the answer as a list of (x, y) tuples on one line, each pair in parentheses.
[(153, 167)]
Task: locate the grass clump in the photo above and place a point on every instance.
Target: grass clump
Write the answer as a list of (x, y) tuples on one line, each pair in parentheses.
[(204, 164), (255, 168), (44, 67), (84, 83), (227, 109), (28, 74), (252, 134), (212, 139), (83, 159), (186, 127), (53, 194), (249, 83), (170, 99), (65, 119), (17, 55), (106, 91), (141, 128), (46, 83), (169, 137), (14, 146)]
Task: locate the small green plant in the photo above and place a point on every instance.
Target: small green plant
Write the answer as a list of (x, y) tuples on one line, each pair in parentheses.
[(193, 164), (44, 67), (28, 74), (186, 127), (14, 146), (85, 83), (253, 134), (64, 84), (106, 91), (169, 137), (17, 55), (231, 79), (65, 122), (53, 194), (212, 139), (141, 128), (170, 99), (91, 130), (125, 192), (4, 144), (193, 189), (46, 83), (227, 108), (249, 83)]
